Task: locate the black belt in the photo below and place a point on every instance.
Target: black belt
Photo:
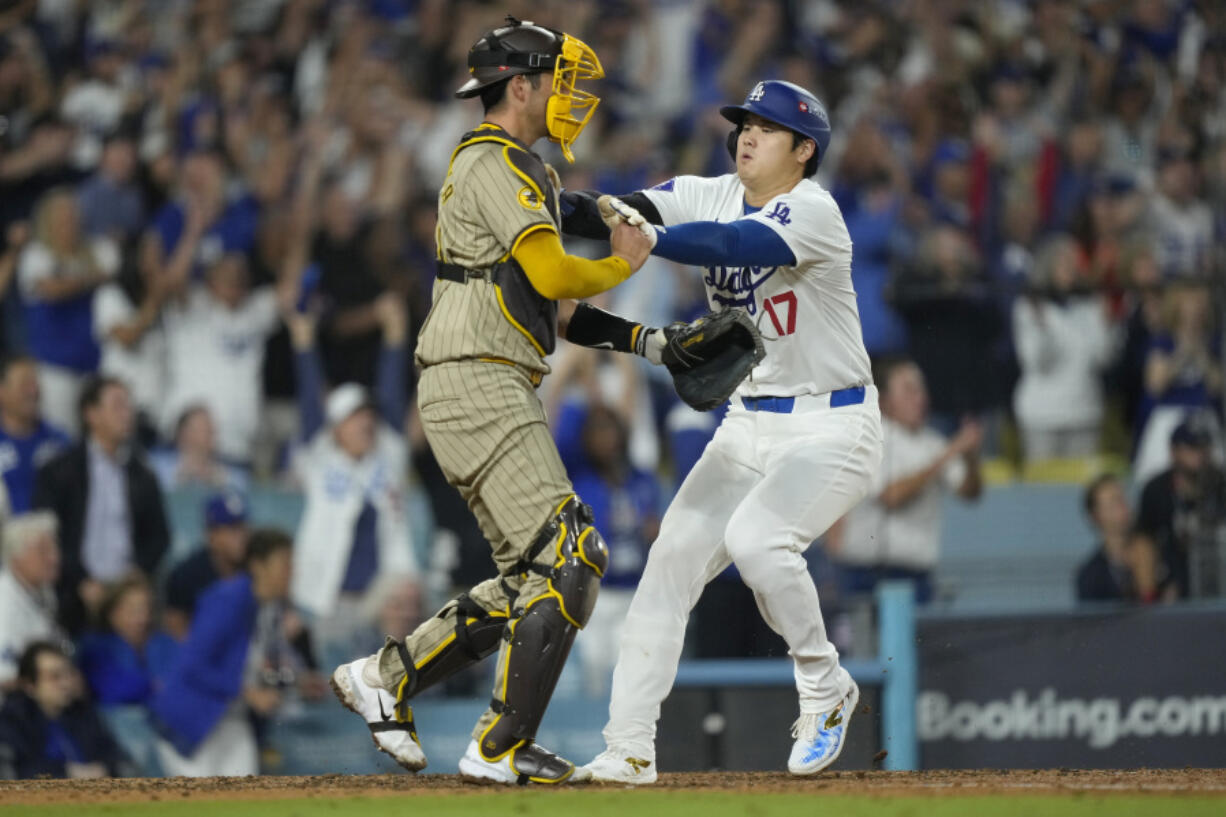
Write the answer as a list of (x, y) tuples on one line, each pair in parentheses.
[(461, 274)]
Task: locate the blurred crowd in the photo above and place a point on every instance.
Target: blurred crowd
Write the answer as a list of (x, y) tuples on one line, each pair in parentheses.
[(217, 223)]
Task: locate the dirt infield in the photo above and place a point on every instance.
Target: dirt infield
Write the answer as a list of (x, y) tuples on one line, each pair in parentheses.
[(944, 783)]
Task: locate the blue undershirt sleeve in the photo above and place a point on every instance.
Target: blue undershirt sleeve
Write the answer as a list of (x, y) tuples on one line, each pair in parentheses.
[(310, 378), (742, 243), (390, 393)]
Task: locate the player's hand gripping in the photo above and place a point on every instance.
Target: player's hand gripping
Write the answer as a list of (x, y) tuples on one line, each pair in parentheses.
[(614, 211), (631, 244)]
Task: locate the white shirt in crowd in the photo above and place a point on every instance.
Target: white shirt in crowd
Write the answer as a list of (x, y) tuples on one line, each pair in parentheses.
[(38, 264), (908, 536), (337, 487), (215, 357), (142, 366), (1062, 350), (1183, 235), (25, 616)]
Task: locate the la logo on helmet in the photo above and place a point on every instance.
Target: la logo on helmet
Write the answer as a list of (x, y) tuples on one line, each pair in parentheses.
[(758, 92)]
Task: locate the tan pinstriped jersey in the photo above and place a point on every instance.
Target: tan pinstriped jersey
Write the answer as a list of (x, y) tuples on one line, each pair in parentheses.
[(495, 193)]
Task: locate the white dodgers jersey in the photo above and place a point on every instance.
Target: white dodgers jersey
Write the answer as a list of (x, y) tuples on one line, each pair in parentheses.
[(807, 312)]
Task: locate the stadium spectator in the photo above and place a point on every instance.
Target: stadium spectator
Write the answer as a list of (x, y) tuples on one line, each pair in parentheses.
[(1183, 367), (125, 659), (58, 273), (1063, 344), (349, 331), (392, 604), (223, 554), (96, 103), (1182, 223), (31, 568), (1183, 372), (107, 502), (951, 321), (583, 378), (352, 467), (35, 148), (110, 201), (1111, 221), (1142, 322), (948, 188), (215, 336), (1079, 165), (193, 459), (237, 659), (26, 439), (896, 532), (48, 730), (869, 195), (1183, 512), (626, 504), (206, 222), (16, 236), (127, 325), (1131, 129), (1125, 567)]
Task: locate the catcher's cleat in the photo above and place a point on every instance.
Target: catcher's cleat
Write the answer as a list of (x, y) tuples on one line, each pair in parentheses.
[(390, 722), (527, 763), (820, 735), (616, 766)]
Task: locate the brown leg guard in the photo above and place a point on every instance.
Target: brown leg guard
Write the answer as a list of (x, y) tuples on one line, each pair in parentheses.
[(535, 654), (571, 556)]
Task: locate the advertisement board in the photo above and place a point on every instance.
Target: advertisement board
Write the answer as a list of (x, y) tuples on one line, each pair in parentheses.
[(1098, 690)]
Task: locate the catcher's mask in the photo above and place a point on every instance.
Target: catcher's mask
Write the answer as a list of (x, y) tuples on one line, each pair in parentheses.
[(526, 48)]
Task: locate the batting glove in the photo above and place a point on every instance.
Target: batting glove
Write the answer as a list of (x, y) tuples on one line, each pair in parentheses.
[(613, 211)]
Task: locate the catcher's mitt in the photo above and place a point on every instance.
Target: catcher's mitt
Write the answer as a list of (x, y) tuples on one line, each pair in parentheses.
[(710, 356)]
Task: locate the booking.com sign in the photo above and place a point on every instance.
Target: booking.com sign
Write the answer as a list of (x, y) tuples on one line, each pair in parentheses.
[(1100, 722)]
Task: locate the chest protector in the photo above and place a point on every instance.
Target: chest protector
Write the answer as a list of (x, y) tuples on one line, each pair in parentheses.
[(528, 310)]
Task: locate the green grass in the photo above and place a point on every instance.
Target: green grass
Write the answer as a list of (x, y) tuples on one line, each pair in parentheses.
[(645, 803)]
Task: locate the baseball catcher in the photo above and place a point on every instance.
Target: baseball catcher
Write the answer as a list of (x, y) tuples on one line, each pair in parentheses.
[(482, 348)]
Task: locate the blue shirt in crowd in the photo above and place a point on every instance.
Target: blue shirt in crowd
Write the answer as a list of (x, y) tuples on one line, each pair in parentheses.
[(234, 231), (20, 459), (118, 674), (62, 332), (620, 511), (207, 672)]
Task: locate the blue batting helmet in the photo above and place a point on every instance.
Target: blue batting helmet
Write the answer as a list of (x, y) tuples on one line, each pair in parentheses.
[(785, 104)]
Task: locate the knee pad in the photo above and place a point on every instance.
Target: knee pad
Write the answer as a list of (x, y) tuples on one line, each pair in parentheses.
[(477, 634), (572, 556)]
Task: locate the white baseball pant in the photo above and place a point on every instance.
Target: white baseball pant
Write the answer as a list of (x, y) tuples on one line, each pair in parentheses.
[(765, 488)]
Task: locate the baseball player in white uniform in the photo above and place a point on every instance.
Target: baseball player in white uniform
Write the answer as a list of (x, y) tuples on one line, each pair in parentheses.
[(802, 438)]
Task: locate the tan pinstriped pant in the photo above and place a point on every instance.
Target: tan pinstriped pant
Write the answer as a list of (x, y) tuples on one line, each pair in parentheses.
[(487, 430)]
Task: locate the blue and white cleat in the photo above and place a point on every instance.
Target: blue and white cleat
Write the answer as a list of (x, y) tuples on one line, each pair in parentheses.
[(820, 735)]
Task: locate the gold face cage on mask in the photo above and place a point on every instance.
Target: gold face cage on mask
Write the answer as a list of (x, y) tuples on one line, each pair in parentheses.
[(570, 109)]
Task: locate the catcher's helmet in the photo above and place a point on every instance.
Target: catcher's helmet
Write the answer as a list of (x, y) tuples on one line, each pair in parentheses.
[(785, 104), (527, 48)]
